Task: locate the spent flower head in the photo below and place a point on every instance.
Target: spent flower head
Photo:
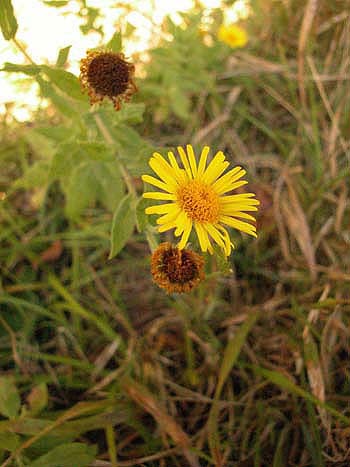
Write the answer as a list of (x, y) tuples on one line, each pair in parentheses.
[(233, 35), (107, 74), (197, 196), (175, 270)]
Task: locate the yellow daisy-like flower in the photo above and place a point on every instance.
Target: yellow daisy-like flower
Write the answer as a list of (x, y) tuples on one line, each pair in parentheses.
[(198, 198), (233, 35)]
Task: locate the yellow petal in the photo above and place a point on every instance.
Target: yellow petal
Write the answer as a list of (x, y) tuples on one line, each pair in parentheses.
[(231, 209), (228, 179), (161, 208), (169, 217), (181, 222), (239, 225), (167, 226), (216, 167), (245, 198), (232, 187), (185, 235), (213, 232), (166, 174), (221, 237), (192, 159), (159, 195), (155, 182), (203, 161), (181, 173), (170, 169), (184, 161), (227, 240), (173, 161), (202, 236), (241, 215)]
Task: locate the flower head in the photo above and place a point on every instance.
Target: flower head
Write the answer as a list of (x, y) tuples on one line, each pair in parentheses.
[(197, 196), (175, 270), (232, 35), (107, 74)]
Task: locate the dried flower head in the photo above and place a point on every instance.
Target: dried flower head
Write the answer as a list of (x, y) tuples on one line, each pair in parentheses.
[(233, 35), (107, 74), (176, 271), (197, 196)]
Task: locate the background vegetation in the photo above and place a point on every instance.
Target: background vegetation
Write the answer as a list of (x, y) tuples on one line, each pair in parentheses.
[(101, 368)]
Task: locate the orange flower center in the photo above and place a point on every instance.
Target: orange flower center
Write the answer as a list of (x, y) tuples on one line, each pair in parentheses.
[(199, 201)]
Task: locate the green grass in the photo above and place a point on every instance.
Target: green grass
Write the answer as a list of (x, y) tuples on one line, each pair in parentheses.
[(250, 369)]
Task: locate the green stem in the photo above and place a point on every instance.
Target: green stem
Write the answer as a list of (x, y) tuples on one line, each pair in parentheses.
[(23, 50), (109, 139), (151, 239), (112, 448)]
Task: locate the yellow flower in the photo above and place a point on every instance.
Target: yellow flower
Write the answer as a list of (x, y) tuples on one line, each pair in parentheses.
[(176, 271), (198, 198), (107, 74), (233, 35)]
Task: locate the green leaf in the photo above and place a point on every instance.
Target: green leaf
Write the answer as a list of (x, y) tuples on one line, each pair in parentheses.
[(233, 349), (65, 81), (63, 56), (67, 455), (35, 176), (8, 21), (29, 70), (127, 139), (122, 225), (80, 190), (130, 28), (141, 216), (67, 157), (40, 144), (58, 101), (38, 398), (115, 44), (9, 441), (179, 102), (96, 150), (130, 113), (110, 185), (90, 181), (132, 149), (57, 133), (9, 398)]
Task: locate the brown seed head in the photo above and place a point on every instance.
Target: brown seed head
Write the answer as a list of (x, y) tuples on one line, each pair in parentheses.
[(107, 74), (176, 271)]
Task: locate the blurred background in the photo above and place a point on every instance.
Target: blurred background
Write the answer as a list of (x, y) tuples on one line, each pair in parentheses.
[(98, 366)]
